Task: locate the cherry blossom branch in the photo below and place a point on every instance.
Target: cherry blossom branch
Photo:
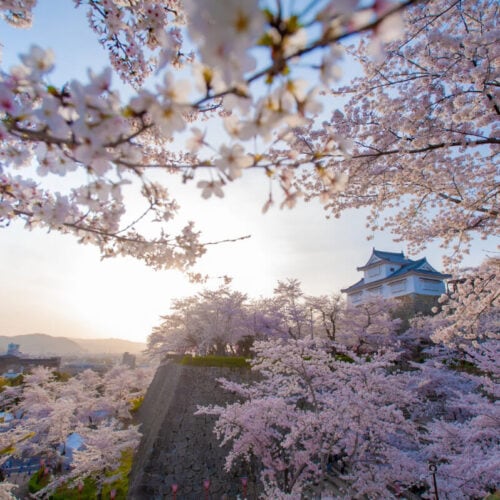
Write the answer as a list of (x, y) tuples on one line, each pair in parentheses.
[(430, 147), (228, 240), (278, 66)]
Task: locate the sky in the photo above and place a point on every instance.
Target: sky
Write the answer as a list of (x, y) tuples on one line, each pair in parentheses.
[(51, 284)]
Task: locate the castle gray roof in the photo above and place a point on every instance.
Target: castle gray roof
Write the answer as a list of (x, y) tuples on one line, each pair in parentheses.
[(396, 258), (407, 266)]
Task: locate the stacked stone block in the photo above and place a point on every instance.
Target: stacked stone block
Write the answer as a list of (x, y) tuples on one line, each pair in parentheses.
[(178, 447)]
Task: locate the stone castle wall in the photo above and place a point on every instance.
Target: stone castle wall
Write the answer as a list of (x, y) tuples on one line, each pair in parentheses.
[(412, 304), (179, 447)]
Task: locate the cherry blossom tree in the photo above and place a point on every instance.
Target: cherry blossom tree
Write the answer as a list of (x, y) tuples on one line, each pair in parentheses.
[(472, 310), (318, 410), (176, 332), (211, 322), (288, 298), (326, 313), (46, 411), (422, 126), (264, 319), (312, 410), (227, 321), (105, 145), (290, 313), (459, 414), (370, 326)]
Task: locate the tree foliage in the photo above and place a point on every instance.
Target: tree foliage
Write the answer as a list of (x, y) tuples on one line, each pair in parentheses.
[(416, 144), (423, 126), (46, 412), (315, 415), (246, 63), (223, 321)]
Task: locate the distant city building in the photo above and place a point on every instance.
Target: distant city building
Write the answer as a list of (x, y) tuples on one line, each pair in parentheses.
[(13, 349), (392, 275), (80, 365), (14, 362), (128, 359)]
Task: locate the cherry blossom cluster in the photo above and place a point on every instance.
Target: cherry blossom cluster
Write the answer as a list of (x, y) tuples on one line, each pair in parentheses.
[(423, 130), (101, 142), (313, 413), (369, 413), (472, 310), (18, 12), (460, 418), (224, 321), (82, 131), (47, 410), (319, 414), (429, 159)]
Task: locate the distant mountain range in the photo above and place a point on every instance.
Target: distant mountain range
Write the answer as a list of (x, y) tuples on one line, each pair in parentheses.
[(40, 344)]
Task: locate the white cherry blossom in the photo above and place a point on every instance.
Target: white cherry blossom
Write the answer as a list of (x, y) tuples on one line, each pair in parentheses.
[(209, 188), (233, 160)]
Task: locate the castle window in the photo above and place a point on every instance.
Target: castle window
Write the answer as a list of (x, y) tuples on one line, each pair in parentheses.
[(376, 291), (375, 271), (356, 297), (430, 285), (398, 286)]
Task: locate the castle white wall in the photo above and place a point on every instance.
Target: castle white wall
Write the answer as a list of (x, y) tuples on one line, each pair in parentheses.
[(379, 272), (398, 288)]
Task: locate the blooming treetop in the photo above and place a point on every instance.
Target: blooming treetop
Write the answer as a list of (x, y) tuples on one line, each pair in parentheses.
[(370, 326), (211, 322), (473, 307), (224, 321), (310, 408), (46, 411), (423, 130), (315, 413), (245, 61)]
